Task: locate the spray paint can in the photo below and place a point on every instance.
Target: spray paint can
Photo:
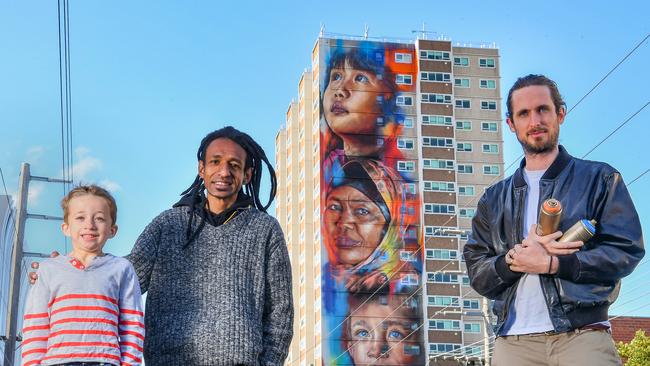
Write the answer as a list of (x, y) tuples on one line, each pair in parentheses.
[(582, 231), (549, 217)]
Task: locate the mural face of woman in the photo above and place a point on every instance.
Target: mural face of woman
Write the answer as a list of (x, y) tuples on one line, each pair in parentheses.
[(352, 100), (380, 333), (354, 225)]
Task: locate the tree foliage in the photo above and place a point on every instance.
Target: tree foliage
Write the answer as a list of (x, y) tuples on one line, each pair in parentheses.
[(637, 352)]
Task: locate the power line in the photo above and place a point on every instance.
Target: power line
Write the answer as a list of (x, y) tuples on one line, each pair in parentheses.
[(640, 175), (644, 306), (10, 212), (610, 71), (616, 129), (5, 188), (65, 95), (629, 301)]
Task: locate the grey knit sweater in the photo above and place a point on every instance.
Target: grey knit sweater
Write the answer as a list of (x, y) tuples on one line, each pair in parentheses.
[(223, 300)]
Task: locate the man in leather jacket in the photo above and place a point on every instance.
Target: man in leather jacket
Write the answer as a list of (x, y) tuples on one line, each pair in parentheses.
[(551, 298)]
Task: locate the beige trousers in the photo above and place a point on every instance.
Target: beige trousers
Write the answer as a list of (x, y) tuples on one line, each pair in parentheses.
[(576, 348)]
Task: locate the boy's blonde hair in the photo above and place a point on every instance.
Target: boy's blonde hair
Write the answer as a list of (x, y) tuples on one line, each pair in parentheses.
[(91, 189)]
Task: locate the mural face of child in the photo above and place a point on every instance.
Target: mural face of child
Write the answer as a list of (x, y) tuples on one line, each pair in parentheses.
[(353, 100), (88, 223), (353, 225), (383, 332)]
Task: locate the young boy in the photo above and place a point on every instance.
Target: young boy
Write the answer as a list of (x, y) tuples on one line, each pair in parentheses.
[(86, 307)]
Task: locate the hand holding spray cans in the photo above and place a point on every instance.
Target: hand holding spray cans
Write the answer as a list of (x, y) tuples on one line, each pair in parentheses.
[(549, 217)]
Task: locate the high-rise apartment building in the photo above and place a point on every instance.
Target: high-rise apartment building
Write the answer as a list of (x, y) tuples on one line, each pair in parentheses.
[(380, 165)]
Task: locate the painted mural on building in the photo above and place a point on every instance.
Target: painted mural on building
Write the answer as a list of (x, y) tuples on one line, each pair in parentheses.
[(370, 206)]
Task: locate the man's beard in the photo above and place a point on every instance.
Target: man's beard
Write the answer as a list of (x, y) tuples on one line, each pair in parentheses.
[(534, 149)]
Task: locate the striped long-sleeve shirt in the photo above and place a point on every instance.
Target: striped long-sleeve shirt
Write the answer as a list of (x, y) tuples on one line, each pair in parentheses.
[(77, 313)]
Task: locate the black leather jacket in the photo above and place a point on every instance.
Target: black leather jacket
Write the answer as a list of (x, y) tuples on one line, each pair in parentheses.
[(588, 281)]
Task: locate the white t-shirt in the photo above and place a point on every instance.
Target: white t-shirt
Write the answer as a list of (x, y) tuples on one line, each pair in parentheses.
[(529, 313)]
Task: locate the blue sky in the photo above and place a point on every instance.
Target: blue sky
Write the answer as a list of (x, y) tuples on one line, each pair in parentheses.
[(151, 78)]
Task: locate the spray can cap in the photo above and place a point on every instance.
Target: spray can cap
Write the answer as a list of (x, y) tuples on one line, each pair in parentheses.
[(552, 206), (590, 225)]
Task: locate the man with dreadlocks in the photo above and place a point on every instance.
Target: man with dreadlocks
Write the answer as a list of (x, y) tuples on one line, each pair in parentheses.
[(216, 267)]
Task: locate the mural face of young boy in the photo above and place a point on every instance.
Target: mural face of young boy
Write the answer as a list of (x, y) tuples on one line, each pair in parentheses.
[(383, 332), (89, 225)]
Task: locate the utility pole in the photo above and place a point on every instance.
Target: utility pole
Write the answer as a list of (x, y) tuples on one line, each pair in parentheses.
[(17, 257), (16, 261)]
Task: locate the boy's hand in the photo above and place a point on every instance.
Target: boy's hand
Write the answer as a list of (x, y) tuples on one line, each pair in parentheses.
[(33, 277)]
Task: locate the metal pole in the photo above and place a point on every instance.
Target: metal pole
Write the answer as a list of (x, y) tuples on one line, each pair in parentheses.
[(16, 261)]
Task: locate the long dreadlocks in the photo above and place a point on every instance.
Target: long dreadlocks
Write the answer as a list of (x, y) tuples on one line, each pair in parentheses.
[(255, 156)]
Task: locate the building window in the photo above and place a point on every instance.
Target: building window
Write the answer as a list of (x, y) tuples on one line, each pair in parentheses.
[(437, 142), (428, 119), (489, 105), (434, 55), (435, 76), (406, 166), (489, 126), (490, 148), (440, 277), (444, 324), (465, 168), (438, 164), (404, 100), (412, 349), (411, 232), (442, 254), (453, 348), (403, 58), (473, 351), (464, 125), (461, 82), (404, 143), (380, 121), (461, 61), (408, 188), (404, 79), (432, 186), (435, 208), (467, 212), (490, 170), (472, 327), (464, 147), (407, 256), (471, 304), (463, 104), (466, 190), (487, 84), (451, 301), (465, 279), (407, 210), (436, 231), (409, 279), (436, 98), (486, 62), (407, 122)]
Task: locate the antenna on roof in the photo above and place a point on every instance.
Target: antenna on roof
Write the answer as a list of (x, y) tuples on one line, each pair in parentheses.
[(365, 31)]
